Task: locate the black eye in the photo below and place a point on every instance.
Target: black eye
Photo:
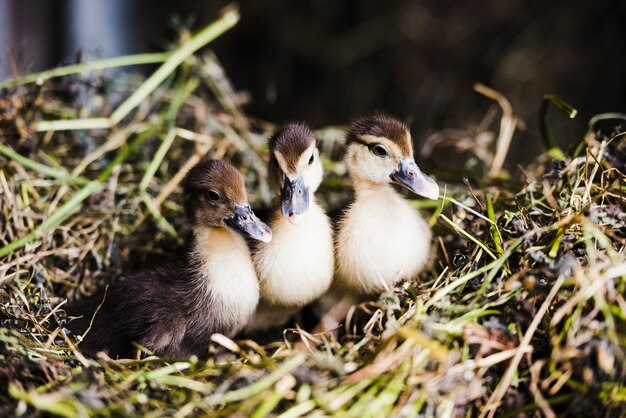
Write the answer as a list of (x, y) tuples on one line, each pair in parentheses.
[(212, 195), (311, 159), (274, 161), (379, 150)]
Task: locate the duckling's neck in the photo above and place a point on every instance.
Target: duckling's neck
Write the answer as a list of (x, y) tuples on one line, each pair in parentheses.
[(212, 240), (364, 187)]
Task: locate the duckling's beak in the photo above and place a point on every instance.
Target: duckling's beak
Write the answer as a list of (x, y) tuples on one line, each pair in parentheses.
[(294, 200), (247, 222), (409, 176)]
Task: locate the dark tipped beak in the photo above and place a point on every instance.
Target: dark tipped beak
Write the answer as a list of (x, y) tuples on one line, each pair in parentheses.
[(294, 199), (245, 221), (409, 176)]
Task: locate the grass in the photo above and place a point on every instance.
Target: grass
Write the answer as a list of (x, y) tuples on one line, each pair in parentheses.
[(521, 313)]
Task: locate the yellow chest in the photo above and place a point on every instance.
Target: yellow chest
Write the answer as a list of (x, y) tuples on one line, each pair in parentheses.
[(382, 239)]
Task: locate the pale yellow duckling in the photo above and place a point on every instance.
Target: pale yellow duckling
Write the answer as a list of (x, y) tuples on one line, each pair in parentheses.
[(297, 266), (382, 238)]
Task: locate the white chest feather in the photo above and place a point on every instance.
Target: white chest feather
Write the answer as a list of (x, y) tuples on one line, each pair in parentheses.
[(381, 240), (228, 277), (297, 266)]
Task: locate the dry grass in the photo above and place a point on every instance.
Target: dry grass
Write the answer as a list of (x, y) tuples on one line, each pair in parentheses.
[(521, 314)]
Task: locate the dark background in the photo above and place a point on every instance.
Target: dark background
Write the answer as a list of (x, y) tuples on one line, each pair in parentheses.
[(328, 61)]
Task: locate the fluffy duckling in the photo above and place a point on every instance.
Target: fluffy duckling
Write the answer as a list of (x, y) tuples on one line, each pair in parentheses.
[(173, 310), (297, 266), (382, 238)]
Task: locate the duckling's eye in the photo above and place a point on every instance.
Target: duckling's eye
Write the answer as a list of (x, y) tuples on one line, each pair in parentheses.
[(212, 195), (311, 159), (379, 150)]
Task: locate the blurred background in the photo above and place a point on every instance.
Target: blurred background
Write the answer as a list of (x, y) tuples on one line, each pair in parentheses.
[(328, 61)]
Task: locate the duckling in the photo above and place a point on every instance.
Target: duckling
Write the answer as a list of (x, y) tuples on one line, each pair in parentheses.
[(382, 238), (297, 266), (173, 310)]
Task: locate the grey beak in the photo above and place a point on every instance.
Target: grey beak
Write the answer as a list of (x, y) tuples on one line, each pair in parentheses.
[(245, 221), (294, 199), (409, 175)]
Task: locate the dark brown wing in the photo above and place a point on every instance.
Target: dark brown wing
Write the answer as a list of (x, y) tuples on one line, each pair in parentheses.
[(128, 311)]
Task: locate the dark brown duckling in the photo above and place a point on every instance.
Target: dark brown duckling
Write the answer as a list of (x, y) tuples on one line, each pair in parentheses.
[(173, 310)]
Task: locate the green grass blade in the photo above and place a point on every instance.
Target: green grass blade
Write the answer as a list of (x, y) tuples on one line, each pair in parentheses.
[(42, 168), (121, 61), (177, 57)]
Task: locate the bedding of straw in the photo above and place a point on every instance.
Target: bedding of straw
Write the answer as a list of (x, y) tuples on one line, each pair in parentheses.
[(522, 311)]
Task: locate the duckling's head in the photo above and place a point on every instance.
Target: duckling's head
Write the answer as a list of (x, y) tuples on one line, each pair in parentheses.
[(380, 151), (215, 196), (295, 168)]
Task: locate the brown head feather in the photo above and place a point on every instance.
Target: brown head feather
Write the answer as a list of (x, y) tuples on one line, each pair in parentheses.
[(291, 140), (382, 126), (217, 176)]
